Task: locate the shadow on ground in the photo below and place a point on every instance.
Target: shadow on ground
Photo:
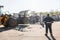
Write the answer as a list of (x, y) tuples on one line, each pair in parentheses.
[(52, 37), (5, 28), (8, 28)]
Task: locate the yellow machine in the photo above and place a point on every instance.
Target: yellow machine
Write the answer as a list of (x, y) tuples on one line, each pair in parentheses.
[(7, 21)]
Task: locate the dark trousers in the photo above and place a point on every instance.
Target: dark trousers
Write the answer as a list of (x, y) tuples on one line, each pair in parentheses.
[(48, 26)]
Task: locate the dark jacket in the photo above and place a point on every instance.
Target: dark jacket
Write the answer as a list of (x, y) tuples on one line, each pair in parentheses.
[(48, 20)]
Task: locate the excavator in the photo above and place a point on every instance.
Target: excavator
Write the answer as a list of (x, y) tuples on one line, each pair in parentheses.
[(7, 21)]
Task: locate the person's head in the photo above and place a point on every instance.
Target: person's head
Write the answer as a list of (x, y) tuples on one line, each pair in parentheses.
[(48, 15)]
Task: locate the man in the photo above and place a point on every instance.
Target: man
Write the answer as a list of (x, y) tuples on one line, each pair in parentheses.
[(48, 22)]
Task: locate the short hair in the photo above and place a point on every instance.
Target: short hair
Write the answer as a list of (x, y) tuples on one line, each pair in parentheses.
[(47, 14)]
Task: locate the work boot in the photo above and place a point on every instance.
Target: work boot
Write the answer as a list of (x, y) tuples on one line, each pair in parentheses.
[(45, 34), (51, 34)]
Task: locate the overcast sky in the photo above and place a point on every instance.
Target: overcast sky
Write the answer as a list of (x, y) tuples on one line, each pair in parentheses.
[(33, 5)]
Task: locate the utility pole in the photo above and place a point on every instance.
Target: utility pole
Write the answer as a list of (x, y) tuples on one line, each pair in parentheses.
[(1, 10)]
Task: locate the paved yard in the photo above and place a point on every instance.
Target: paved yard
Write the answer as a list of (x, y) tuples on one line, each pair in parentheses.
[(33, 32)]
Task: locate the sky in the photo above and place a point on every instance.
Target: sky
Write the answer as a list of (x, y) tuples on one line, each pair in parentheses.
[(15, 6)]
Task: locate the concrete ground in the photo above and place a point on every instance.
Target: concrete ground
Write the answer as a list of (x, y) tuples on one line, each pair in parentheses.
[(33, 32)]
